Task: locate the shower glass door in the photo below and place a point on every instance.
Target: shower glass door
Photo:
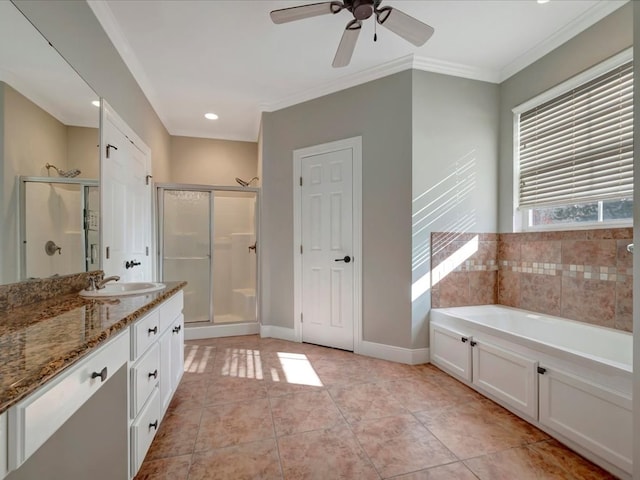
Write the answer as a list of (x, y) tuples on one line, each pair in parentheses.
[(208, 238), (234, 256), (186, 248)]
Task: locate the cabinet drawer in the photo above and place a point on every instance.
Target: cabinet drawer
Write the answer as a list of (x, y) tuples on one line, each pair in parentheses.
[(170, 310), (144, 333), (144, 377), (143, 430), (3, 445), (35, 419)]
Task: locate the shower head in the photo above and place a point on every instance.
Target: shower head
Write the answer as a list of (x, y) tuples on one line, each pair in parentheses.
[(64, 173), (244, 183)]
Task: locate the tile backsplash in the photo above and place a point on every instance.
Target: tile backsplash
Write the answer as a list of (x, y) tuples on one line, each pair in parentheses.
[(584, 275)]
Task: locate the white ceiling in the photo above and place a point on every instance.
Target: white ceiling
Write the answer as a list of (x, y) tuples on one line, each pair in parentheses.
[(31, 66), (227, 57)]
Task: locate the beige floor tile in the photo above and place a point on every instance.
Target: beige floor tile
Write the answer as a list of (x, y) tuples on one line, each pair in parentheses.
[(233, 424), (420, 394), (383, 370), (400, 444), (325, 455), (467, 432), (232, 389), (189, 396), (520, 463), (171, 468), (576, 465), (176, 435), (366, 401), (251, 461), (303, 412), (509, 421), (199, 358), (341, 372), (452, 471)]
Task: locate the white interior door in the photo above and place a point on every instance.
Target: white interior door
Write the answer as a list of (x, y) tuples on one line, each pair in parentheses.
[(327, 297), (125, 202)]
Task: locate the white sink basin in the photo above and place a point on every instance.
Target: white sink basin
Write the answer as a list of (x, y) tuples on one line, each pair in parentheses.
[(116, 289)]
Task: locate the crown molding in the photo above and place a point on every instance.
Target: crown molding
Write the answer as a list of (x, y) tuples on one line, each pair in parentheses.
[(455, 69), (217, 136), (573, 28), (105, 16), (348, 81)]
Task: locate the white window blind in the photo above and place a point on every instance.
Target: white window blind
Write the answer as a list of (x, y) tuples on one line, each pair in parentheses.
[(579, 146)]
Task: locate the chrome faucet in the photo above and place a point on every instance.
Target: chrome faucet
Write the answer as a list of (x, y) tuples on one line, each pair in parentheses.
[(100, 285)]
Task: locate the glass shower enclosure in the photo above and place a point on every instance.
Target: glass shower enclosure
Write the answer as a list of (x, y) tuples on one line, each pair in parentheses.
[(59, 226), (208, 238)]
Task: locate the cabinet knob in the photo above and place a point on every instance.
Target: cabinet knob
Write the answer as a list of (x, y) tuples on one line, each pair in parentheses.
[(177, 329), (154, 374), (154, 330), (154, 425), (102, 374)]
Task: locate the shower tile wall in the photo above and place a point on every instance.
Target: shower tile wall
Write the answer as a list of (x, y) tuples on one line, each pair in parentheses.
[(584, 275)]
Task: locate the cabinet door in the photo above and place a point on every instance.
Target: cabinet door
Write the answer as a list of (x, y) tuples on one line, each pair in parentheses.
[(451, 351), (594, 417), (177, 351), (166, 384), (3, 445), (508, 376)]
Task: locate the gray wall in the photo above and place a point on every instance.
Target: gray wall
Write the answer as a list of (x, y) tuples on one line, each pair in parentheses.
[(74, 31), (455, 142), (599, 42), (380, 112)]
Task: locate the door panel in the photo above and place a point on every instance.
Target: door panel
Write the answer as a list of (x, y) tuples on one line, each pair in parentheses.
[(327, 238)]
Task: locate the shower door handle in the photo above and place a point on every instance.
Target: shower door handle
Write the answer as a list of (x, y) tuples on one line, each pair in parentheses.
[(346, 259)]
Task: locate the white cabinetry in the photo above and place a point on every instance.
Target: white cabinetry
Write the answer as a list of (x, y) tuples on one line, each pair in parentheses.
[(36, 418), (156, 340), (506, 375), (595, 417), (4, 467), (451, 350)]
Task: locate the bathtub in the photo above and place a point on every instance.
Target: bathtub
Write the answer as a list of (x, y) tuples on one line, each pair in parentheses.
[(570, 379)]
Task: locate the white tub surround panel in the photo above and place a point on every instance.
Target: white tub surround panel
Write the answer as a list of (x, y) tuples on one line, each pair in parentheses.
[(568, 378)]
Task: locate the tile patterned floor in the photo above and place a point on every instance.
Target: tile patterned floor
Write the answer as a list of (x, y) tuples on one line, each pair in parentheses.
[(251, 408)]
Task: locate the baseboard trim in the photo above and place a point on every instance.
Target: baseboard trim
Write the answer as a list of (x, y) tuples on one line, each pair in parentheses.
[(274, 331), (197, 332), (394, 354)]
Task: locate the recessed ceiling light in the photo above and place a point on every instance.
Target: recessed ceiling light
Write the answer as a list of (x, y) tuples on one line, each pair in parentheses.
[(96, 103), (543, 1), (211, 116)]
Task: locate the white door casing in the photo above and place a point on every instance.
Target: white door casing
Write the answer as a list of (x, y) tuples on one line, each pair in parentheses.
[(327, 224), (125, 203)]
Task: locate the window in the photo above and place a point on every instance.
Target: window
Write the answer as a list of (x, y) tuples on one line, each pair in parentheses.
[(574, 151)]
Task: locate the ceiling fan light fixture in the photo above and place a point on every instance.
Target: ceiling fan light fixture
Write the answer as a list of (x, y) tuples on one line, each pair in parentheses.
[(362, 9)]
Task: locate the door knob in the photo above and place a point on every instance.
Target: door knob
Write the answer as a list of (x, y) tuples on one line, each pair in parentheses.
[(346, 259)]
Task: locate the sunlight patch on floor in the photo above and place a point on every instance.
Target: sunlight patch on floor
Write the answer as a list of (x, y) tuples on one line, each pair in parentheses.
[(297, 369), (242, 363)]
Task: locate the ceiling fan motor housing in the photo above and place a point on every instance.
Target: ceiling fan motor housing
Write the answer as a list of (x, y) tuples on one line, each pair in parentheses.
[(361, 9)]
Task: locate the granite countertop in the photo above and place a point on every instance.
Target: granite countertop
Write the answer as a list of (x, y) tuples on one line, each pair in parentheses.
[(40, 340)]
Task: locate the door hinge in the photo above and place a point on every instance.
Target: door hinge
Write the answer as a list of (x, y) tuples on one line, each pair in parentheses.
[(464, 339), (472, 343), (146, 250), (149, 177), (301, 320), (108, 252), (542, 370), (300, 181), (300, 249)]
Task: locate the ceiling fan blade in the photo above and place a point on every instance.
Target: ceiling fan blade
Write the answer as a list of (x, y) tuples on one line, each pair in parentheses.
[(347, 44), (406, 26), (292, 14)]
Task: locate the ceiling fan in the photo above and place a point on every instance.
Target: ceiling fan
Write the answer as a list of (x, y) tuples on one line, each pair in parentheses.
[(409, 28)]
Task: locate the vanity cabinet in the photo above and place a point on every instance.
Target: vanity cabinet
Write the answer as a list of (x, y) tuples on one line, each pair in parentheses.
[(36, 418), (157, 356), (4, 467)]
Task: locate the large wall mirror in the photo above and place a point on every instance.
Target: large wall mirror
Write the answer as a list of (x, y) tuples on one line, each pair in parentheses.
[(49, 158)]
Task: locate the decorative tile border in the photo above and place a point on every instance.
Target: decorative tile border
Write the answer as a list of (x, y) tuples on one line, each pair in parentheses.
[(587, 272)]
